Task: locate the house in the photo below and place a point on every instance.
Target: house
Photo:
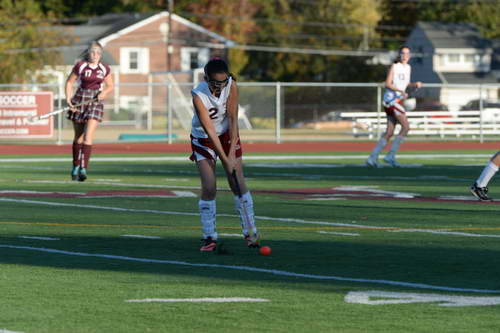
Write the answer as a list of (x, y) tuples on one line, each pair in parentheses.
[(135, 46), (453, 54)]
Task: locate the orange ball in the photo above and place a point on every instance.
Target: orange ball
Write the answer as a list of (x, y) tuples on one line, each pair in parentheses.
[(265, 250)]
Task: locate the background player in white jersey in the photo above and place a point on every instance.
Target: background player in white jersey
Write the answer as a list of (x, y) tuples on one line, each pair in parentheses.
[(480, 187), (95, 82), (214, 135), (396, 83)]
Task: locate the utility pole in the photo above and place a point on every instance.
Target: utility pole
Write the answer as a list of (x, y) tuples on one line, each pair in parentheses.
[(169, 34)]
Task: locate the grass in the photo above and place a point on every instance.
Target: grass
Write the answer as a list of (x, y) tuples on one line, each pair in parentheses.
[(81, 281)]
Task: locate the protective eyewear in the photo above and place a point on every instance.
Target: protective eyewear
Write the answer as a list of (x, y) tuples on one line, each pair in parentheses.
[(217, 83)]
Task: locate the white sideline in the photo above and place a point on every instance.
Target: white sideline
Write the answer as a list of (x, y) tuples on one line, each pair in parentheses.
[(247, 158), (254, 269), (198, 300)]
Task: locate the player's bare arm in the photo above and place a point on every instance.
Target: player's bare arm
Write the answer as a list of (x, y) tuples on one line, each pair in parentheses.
[(109, 86), (69, 88)]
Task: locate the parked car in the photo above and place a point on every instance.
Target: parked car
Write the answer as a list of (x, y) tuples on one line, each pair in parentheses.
[(435, 106), (491, 108)]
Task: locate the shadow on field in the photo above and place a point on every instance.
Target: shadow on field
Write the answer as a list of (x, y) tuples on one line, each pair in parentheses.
[(439, 264)]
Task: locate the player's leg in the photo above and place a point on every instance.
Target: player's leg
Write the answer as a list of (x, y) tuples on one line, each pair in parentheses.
[(206, 204), (480, 187), (398, 140), (244, 205), (90, 128), (79, 129), (382, 142)]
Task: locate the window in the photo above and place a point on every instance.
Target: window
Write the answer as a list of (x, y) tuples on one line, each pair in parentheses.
[(442, 60), (193, 57), (469, 58), (453, 58), (134, 60)]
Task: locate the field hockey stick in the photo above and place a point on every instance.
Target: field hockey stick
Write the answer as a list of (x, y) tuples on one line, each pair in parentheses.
[(53, 113), (246, 220)]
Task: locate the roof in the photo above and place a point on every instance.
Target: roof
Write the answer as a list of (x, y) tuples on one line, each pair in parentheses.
[(469, 78), (454, 35), (84, 35), (110, 26)]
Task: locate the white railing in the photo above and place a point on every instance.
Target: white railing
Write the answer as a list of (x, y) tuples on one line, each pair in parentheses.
[(426, 123), (277, 105)]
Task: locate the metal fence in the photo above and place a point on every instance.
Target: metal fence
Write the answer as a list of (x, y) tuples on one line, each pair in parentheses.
[(285, 111)]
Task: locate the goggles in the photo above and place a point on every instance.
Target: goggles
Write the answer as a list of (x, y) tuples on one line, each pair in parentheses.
[(217, 83)]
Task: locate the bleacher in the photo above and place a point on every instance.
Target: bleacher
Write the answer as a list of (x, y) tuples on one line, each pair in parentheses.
[(425, 123)]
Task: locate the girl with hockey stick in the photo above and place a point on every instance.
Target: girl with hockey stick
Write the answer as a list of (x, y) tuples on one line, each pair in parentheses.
[(215, 135), (396, 83), (95, 83)]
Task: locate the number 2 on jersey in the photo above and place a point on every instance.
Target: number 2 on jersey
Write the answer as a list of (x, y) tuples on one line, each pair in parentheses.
[(212, 113)]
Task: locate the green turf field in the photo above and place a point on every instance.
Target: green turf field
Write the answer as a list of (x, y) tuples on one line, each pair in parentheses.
[(354, 249)]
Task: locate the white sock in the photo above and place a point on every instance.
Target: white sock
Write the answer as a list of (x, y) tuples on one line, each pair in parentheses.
[(244, 207), (382, 142), (488, 172), (207, 215), (395, 146)]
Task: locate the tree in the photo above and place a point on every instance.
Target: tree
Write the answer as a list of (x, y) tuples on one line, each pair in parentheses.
[(486, 16), (322, 24), (28, 42)]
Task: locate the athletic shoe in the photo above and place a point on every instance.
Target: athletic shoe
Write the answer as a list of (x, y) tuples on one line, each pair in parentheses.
[(74, 172), (480, 192), (391, 161), (82, 175), (252, 243), (372, 163), (209, 245)]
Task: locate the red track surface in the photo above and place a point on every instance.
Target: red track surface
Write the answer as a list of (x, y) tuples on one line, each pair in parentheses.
[(288, 147)]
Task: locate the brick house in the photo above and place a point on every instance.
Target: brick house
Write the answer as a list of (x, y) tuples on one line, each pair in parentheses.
[(135, 46)]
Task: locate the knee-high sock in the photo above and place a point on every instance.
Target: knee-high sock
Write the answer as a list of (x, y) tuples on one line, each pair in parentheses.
[(244, 207), (395, 146), (86, 152), (207, 216), (488, 172), (382, 142), (77, 150)]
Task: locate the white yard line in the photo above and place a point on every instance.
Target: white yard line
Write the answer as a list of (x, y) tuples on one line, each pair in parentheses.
[(39, 238), (263, 218), (337, 233), (387, 297), (141, 236), (231, 235), (252, 269), (198, 300), (446, 232)]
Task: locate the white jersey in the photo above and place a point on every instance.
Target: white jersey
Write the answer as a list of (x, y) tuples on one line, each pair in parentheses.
[(216, 107), (401, 76)]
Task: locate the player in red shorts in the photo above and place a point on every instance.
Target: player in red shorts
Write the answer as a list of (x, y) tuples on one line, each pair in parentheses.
[(396, 83), (214, 135), (95, 82)]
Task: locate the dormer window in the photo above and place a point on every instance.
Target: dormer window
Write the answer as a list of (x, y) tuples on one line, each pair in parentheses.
[(453, 58), (469, 58)]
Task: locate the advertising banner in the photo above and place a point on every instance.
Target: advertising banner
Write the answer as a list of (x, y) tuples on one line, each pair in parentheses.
[(17, 107)]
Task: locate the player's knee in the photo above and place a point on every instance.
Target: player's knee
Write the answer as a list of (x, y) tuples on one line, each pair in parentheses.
[(208, 194)]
